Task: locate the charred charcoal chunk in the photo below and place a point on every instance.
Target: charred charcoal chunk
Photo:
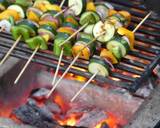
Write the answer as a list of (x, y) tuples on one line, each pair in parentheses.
[(35, 116), (39, 94)]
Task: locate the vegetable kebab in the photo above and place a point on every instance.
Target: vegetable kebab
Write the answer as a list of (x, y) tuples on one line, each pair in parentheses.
[(118, 46), (69, 27), (84, 47), (87, 18), (49, 22), (17, 31), (14, 13)]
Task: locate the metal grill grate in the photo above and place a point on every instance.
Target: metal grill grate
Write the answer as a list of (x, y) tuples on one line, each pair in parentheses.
[(134, 69)]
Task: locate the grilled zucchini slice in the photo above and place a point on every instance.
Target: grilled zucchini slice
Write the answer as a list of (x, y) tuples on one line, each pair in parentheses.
[(119, 47), (98, 65), (78, 6), (106, 27)]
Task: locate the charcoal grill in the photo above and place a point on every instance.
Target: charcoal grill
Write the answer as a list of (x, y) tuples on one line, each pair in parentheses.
[(148, 34)]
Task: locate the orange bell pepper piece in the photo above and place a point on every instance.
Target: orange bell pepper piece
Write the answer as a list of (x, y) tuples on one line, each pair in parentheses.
[(33, 17), (129, 34), (112, 12), (85, 53), (91, 6), (109, 56), (8, 13)]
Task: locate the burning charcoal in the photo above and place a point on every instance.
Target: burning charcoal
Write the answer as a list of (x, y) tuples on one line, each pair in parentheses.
[(38, 117), (92, 118), (40, 94), (109, 100), (35, 116), (54, 108), (31, 101), (46, 111), (104, 125)]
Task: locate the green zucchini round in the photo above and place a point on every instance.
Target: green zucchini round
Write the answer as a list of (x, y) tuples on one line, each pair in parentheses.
[(78, 6), (107, 28), (85, 41), (100, 66), (30, 25), (49, 28), (89, 17), (89, 29), (119, 47)]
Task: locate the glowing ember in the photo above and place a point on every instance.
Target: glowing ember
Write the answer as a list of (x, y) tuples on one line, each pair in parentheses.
[(78, 68), (60, 101), (116, 79), (111, 121), (71, 120), (80, 78)]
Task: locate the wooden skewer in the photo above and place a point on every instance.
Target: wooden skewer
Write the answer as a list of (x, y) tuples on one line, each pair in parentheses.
[(58, 66), (11, 49), (144, 19), (71, 64), (62, 3), (84, 86), (26, 65), (59, 13), (74, 34)]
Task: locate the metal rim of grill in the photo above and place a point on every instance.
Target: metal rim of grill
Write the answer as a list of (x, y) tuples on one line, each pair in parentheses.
[(127, 65)]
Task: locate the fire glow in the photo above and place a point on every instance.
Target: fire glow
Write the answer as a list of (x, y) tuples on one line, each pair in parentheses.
[(73, 118)]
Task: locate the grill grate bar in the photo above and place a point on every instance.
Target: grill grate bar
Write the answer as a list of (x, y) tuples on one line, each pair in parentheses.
[(146, 74), (134, 63), (140, 55), (149, 50), (123, 77), (128, 3), (148, 41), (146, 23), (144, 31), (128, 69)]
